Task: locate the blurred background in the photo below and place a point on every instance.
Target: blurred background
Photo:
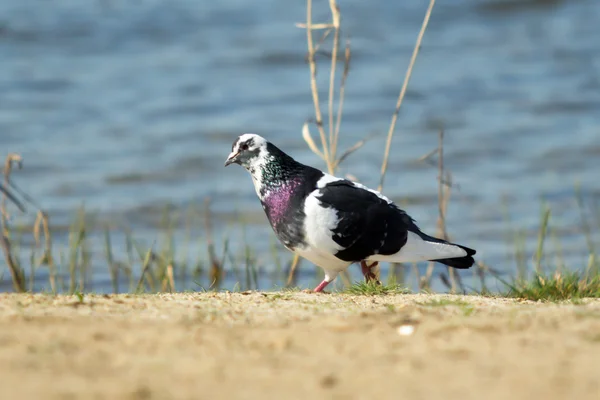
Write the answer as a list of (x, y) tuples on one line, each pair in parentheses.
[(129, 108)]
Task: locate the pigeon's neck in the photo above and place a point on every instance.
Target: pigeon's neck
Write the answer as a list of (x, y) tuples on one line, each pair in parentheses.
[(274, 171)]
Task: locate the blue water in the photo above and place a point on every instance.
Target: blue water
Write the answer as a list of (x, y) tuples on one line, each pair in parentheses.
[(128, 106)]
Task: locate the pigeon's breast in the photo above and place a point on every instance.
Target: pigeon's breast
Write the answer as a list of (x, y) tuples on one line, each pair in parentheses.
[(283, 205), (278, 202)]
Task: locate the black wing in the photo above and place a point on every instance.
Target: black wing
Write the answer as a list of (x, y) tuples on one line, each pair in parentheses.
[(367, 223)]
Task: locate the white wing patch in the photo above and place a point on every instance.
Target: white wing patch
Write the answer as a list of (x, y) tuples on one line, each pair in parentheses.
[(326, 179), (375, 192), (417, 249), (320, 247), (318, 224)]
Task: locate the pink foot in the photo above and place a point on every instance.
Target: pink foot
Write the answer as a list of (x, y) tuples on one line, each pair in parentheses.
[(321, 286)]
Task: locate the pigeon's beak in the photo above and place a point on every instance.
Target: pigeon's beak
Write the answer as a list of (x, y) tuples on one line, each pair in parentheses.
[(231, 159)]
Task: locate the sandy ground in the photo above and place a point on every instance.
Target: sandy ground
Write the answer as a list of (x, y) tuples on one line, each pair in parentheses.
[(296, 345)]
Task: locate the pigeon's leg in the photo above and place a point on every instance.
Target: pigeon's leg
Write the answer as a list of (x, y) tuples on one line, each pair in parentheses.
[(321, 286), (365, 270), (368, 271), (329, 277)]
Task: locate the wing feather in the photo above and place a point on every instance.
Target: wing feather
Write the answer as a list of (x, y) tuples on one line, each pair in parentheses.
[(368, 223)]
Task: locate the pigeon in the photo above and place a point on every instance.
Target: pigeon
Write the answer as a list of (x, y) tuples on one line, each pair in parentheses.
[(334, 222)]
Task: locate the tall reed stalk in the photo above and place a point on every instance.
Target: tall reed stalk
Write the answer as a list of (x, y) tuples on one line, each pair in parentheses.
[(327, 149)]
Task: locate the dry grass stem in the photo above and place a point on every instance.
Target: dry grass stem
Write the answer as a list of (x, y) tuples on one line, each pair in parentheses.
[(351, 150), (11, 159), (444, 189), (47, 258), (338, 123), (310, 142), (335, 16), (168, 282), (7, 194), (388, 143), (314, 27), (145, 269), (215, 272), (329, 143), (322, 40), (291, 280), (313, 83), (15, 270)]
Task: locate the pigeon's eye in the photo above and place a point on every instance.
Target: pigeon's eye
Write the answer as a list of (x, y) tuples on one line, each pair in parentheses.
[(244, 147)]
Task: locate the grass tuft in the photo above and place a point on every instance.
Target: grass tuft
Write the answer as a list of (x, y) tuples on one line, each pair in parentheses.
[(560, 286), (374, 289)]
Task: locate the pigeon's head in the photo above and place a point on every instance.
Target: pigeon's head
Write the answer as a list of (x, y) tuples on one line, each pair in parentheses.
[(247, 150)]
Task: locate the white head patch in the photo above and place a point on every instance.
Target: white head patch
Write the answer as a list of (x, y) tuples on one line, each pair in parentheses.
[(251, 151)]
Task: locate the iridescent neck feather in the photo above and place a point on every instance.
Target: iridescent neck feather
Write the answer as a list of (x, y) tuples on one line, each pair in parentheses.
[(271, 170)]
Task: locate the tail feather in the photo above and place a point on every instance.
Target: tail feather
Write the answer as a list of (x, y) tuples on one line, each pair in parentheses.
[(422, 247), (458, 262)]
